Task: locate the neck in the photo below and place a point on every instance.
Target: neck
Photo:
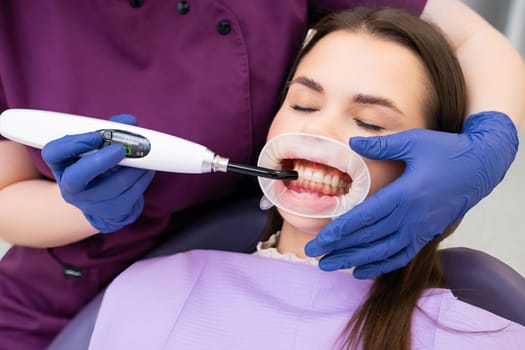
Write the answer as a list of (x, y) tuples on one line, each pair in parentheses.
[(293, 240)]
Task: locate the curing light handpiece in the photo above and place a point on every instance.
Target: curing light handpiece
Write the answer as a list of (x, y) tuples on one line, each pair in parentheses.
[(138, 146), (145, 148)]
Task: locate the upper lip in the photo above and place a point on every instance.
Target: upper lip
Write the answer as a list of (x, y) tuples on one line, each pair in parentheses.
[(339, 164), (311, 147)]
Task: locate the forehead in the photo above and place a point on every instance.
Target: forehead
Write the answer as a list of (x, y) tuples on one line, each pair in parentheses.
[(351, 63), (356, 50)]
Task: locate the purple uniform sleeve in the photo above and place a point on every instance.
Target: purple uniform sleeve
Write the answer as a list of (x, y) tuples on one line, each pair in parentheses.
[(3, 103)]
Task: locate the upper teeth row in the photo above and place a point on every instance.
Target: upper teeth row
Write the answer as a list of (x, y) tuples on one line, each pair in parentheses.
[(319, 176)]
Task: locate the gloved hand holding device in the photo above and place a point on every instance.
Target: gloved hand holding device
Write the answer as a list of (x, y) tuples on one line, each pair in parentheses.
[(110, 196), (446, 175)]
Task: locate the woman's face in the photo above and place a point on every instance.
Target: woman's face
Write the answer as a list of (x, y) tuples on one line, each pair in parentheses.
[(352, 84)]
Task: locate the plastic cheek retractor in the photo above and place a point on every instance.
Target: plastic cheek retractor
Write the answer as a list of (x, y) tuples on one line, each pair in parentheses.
[(332, 178)]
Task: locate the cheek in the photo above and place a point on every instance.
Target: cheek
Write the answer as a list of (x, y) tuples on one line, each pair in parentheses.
[(281, 124), (383, 172)]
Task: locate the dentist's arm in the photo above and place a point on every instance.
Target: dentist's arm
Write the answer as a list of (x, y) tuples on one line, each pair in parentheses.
[(494, 71), (32, 211), (446, 174), (91, 193)]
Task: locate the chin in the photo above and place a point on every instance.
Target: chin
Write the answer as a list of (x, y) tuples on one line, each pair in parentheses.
[(310, 226)]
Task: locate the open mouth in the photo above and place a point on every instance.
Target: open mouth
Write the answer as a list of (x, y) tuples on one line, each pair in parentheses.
[(332, 178), (316, 178)]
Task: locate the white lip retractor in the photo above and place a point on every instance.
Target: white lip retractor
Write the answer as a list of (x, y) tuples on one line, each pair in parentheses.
[(321, 153)]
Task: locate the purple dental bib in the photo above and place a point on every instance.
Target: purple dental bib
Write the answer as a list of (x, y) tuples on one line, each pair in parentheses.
[(222, 300)]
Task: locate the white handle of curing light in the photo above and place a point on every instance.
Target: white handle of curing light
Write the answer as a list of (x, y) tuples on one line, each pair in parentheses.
[(169, 153)]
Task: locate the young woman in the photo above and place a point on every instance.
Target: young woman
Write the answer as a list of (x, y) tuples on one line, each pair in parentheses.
[(364, 72), (200, 70)]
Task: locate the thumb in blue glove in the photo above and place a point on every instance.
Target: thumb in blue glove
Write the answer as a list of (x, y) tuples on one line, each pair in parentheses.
[(110, 196), (445, 175)]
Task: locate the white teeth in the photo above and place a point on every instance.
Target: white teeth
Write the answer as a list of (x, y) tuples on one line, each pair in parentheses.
[(327, 180), (308, 174), (317, 176), (335, 180)]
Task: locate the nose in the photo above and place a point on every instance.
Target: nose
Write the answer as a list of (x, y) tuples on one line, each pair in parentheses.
[(325, 123)]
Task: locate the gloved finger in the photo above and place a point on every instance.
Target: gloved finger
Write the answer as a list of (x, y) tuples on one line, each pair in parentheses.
[(77, 176), (127, 198), (137, 189), (130, 204), (368, 234), (110, 185), (124, 119), (365, 254), (115, 222), (61, 152), (394, 146), (365, 214), (394, 262)]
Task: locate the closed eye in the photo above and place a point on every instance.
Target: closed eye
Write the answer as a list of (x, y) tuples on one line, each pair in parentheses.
[(303, 109), (367, 126)]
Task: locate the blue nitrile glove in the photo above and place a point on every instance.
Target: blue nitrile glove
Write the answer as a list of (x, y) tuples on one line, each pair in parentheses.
[(446, 174), (110, 196)]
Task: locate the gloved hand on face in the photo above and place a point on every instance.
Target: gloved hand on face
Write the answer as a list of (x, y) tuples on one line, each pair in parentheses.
[(446, 175)]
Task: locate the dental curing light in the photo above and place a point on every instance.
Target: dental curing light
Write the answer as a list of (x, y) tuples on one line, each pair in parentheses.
[(145, 148)]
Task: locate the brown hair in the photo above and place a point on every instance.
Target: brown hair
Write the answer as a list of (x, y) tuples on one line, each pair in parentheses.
[(384, 320)]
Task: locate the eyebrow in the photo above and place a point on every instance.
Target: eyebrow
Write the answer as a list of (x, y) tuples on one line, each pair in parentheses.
[(376, 100), (309, 83), (366, 99)]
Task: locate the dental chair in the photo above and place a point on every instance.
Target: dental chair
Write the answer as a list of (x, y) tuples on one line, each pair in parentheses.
[(474, 276)]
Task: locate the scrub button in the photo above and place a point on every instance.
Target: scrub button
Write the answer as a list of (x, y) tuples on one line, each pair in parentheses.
[(183, 7), (224, 27), (136, 3)]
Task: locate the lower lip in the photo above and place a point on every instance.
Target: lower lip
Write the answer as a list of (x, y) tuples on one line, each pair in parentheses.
[(303, 203)]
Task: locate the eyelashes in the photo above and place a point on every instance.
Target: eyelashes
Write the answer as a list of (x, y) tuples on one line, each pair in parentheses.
[(359, 123), (367, 126), (303, 109)]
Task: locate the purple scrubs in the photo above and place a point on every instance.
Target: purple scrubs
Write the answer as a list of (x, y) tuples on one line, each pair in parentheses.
[(207, 71)]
